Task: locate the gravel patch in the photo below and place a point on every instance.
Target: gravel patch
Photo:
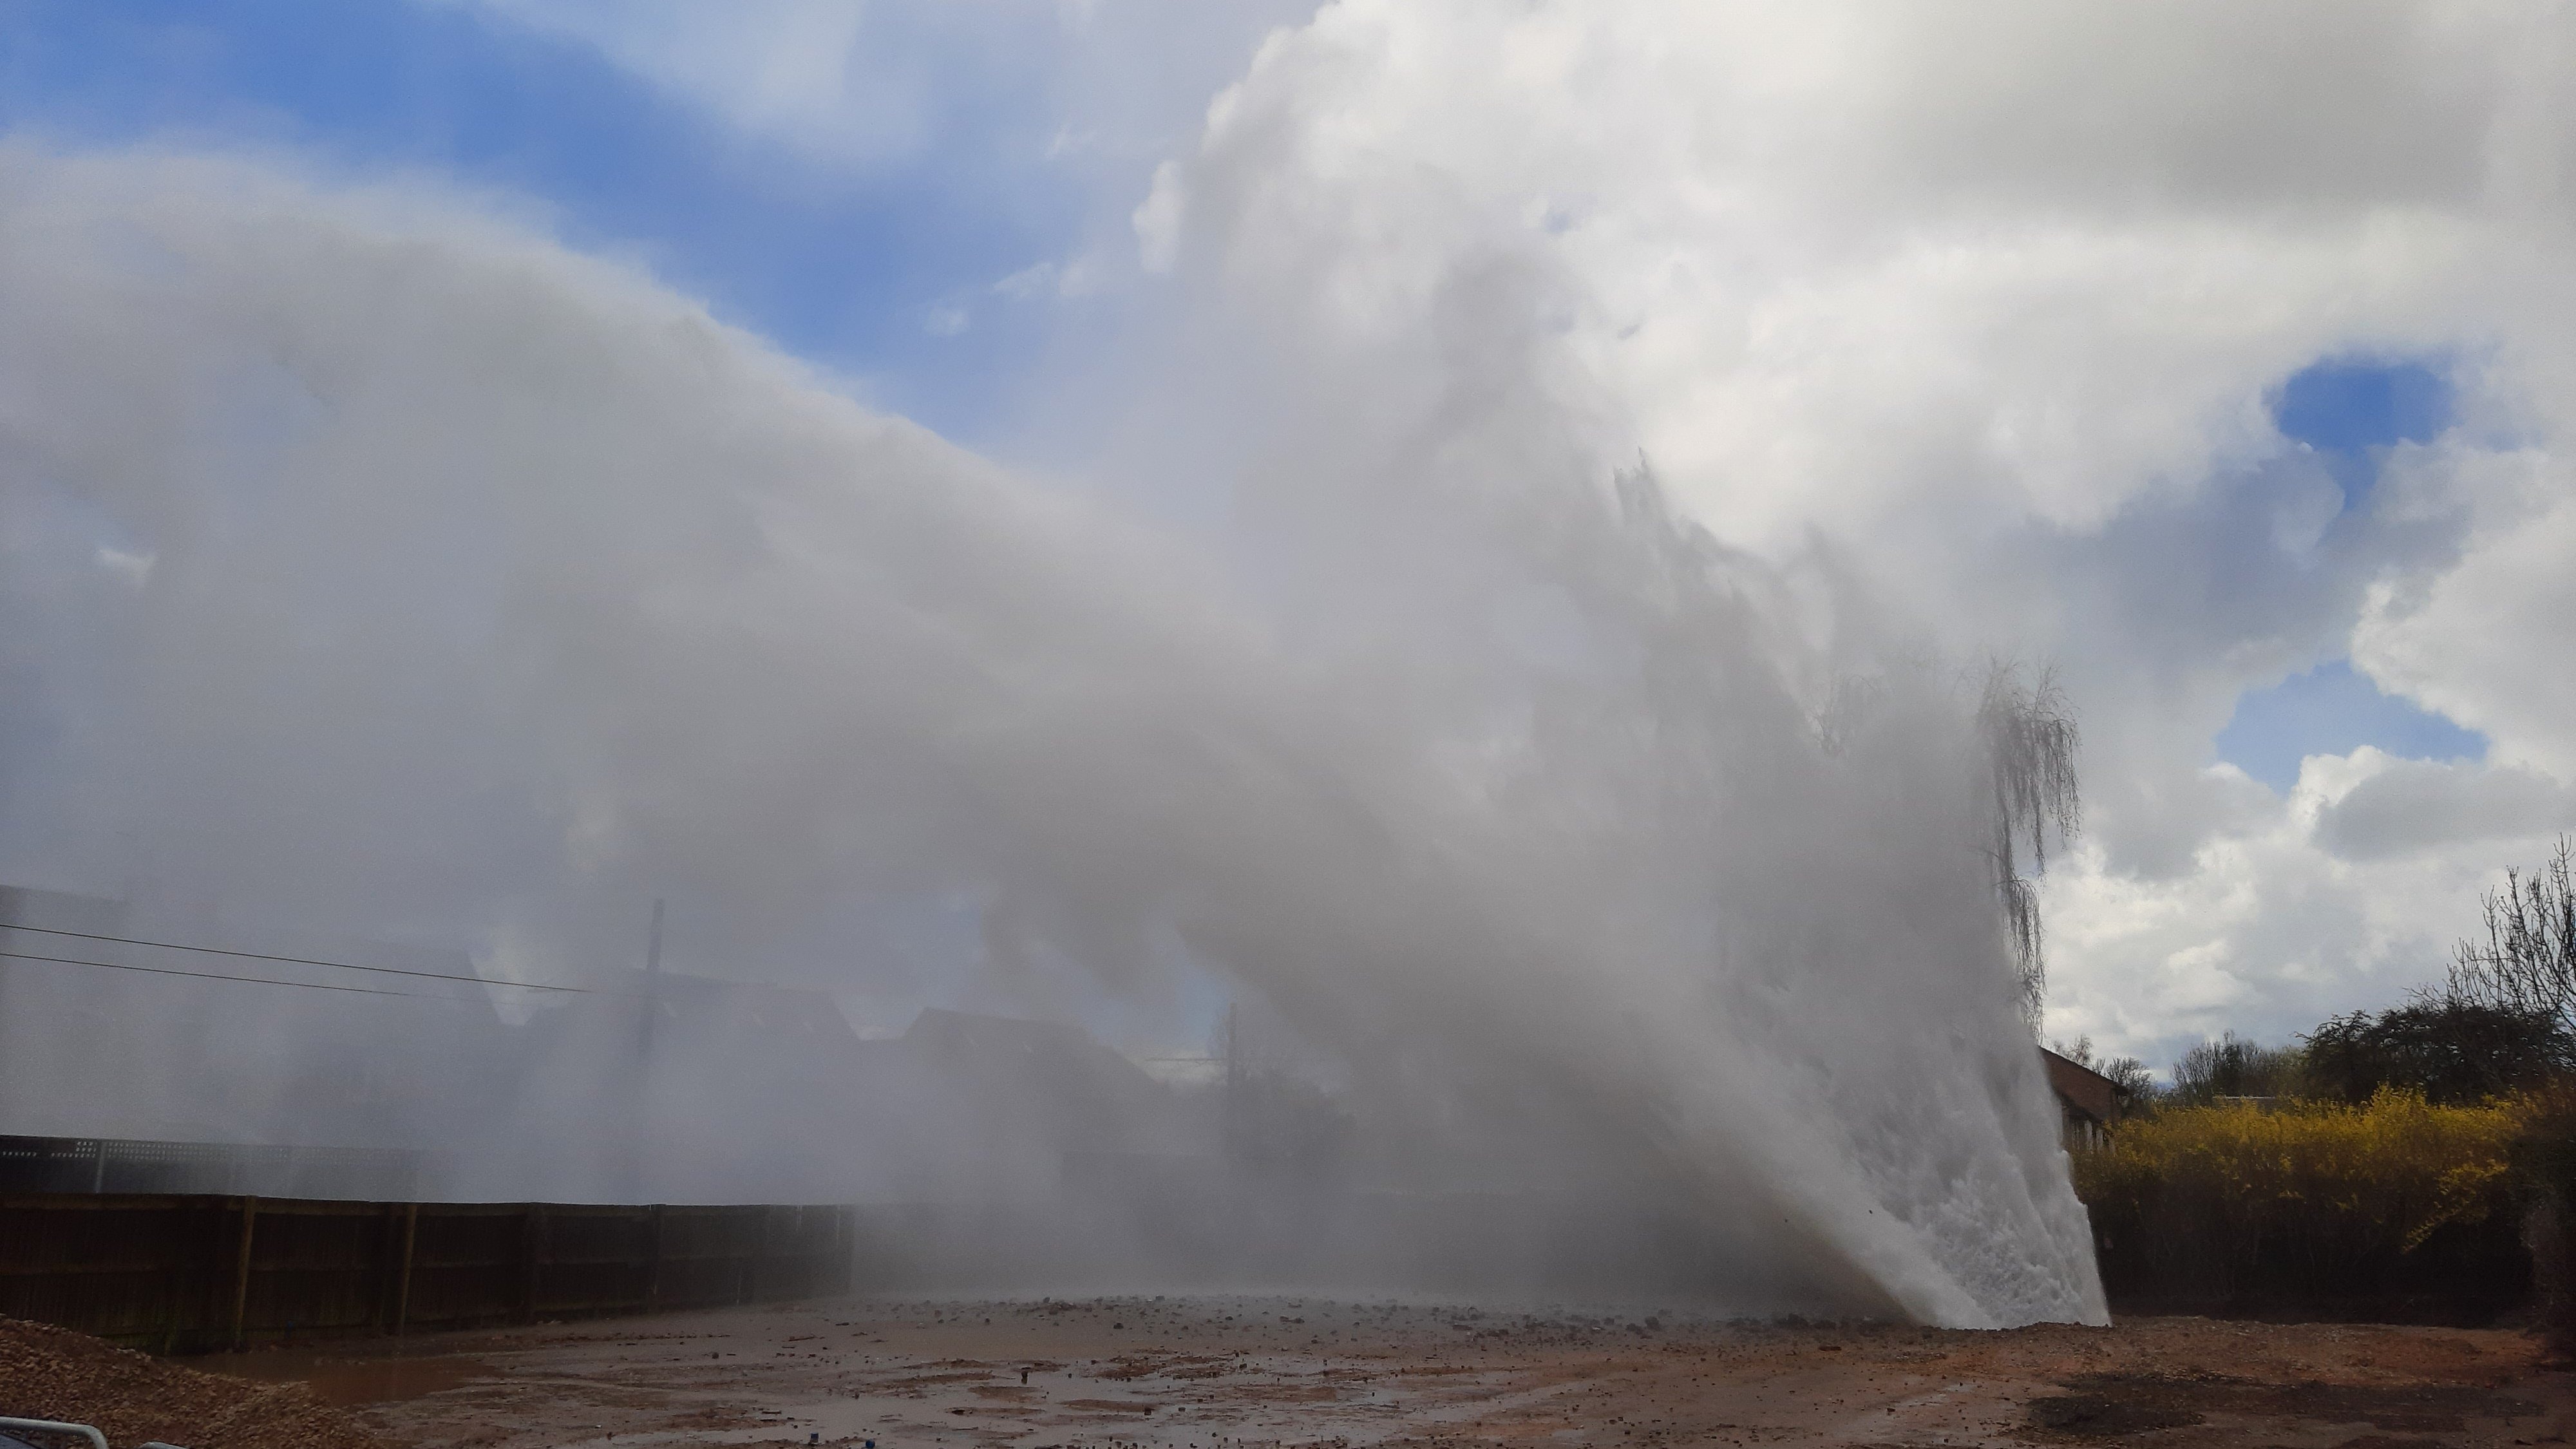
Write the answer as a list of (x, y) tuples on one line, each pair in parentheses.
[(54, 1373)]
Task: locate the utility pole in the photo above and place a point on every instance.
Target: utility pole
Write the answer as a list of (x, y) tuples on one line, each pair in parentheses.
[(1232, 1127), (652, 974), (639, 1107)]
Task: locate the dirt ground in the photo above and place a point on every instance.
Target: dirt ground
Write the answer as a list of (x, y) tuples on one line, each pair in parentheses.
[(1218, 1372)]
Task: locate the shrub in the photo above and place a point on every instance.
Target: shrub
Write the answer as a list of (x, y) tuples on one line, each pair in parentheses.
[(2234, 1067), (2545, 1160), (2454, 1051), (2309, 1204)]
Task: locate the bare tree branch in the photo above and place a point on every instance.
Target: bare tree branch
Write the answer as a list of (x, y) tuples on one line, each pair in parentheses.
[(2528, 963)]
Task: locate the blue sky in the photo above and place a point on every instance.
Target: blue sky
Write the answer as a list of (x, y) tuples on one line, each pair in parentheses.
[(2330, 710), (2351, 411), (842, 264)]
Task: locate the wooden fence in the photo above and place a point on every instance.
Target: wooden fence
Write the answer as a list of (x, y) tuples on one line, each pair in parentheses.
[(180, 1274)]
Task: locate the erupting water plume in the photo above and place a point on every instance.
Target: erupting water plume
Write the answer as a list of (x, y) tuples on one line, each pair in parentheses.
[(416, 577)]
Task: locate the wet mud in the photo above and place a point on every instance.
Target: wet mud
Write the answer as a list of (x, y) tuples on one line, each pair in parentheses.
[(1230, 1372)]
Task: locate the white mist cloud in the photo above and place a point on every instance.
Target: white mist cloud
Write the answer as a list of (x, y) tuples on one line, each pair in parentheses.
[(498, 589)]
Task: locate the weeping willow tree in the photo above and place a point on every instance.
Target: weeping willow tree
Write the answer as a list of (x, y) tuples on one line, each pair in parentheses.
[(2030, 737)]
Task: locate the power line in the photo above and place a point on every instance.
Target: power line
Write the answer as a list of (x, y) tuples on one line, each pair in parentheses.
[(282, 960), (214, 975)]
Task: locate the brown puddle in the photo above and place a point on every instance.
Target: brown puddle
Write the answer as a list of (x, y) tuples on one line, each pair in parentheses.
[(346, 1382)]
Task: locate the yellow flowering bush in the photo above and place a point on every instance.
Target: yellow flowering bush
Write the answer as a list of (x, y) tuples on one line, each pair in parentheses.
[(2297, 1200)]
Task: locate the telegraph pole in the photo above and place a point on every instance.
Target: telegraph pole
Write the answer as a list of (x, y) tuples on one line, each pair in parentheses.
[(652, 974), (640, 1108), (1232, 1128)]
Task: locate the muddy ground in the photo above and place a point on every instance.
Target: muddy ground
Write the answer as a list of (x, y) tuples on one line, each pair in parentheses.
[(1226, 1371)]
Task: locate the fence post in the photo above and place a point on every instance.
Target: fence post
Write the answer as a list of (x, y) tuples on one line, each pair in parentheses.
[(530, 1228), (241, 1271), (402, 1275), (176, 1279), (653, 1256), (388, 1240)]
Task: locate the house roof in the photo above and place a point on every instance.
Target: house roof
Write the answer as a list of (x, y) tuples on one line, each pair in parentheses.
[(2081, 1088), (757, 1005)]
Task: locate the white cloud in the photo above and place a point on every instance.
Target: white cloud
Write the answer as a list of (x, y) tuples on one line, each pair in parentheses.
[(2349, 896), (814, 74), (1157, 220), (1027, 282), (1078, 277), (134, 569), (2485, 640), (1989, 298), (2410, 806)]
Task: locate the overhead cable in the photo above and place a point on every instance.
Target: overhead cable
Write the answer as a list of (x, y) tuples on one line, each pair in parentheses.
[(282, 960), (217, 976)]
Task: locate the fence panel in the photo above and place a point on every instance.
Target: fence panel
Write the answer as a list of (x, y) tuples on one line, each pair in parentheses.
[(179, 1273)]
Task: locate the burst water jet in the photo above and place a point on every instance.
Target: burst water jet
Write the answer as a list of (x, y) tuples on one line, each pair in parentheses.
[(414, 572)]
